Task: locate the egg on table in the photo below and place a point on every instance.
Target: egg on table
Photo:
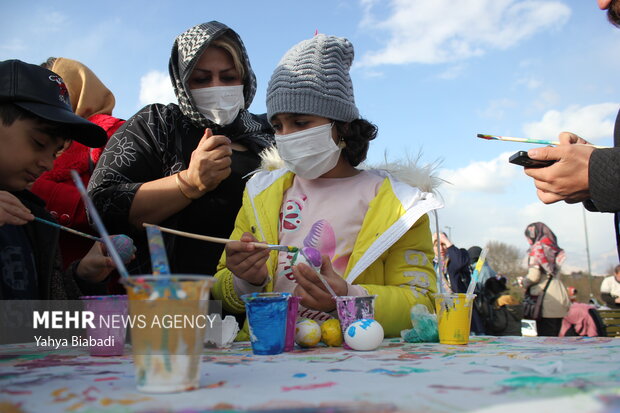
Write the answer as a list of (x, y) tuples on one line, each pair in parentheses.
[(364, 334), (307, 333), (331, 334)]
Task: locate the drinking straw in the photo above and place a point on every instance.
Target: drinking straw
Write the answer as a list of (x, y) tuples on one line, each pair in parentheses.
[(92, 211)]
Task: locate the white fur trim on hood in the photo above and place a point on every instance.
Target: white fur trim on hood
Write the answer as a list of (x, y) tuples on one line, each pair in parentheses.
[(407, 170)]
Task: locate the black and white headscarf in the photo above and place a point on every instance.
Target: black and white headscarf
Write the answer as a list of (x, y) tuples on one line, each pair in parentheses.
[(248, 129)]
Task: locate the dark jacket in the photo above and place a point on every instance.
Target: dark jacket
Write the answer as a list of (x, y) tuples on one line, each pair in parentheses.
[(53, 282), (458, 269), (498, 320), (610, 300), (604, 179)]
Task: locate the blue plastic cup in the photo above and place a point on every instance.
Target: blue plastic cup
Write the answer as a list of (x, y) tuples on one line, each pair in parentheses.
[(267, 314)]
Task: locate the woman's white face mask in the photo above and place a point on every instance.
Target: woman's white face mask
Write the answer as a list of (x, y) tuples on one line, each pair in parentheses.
[(219, 104), (309, 153)]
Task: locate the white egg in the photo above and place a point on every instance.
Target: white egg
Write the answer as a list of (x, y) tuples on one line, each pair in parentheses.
[(364, 334), (307, 333)]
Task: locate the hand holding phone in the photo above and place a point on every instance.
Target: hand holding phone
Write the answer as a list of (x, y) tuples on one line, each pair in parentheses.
[(521, 158)]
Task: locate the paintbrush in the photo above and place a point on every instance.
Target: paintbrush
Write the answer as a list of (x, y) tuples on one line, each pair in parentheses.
[(71, 230), (123, 244), (526, 140), (285, 248)]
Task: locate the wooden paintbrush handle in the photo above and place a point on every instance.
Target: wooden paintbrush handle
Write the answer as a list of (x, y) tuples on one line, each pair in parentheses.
[(201, 237)]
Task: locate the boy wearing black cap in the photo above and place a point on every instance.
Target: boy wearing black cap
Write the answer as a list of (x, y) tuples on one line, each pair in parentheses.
[(36, 123)]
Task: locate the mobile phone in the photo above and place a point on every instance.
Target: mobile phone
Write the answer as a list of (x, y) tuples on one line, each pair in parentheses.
[(521, 158)]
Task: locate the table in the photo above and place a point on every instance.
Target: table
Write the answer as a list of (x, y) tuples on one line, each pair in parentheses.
[(520, 374)]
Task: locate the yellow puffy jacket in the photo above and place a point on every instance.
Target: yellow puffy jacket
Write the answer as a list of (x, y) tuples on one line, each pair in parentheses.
[(392, 256)]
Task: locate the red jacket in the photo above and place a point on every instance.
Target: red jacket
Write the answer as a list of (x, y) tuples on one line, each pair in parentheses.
[(62, 198)]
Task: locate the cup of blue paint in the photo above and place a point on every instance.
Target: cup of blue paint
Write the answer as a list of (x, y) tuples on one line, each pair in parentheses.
[(267, 315)]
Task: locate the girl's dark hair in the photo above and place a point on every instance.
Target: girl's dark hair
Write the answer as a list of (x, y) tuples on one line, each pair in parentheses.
[(613, 14), (357, 136)]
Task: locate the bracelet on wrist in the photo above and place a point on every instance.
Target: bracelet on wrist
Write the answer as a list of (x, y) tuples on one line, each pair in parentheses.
[(180, 182)]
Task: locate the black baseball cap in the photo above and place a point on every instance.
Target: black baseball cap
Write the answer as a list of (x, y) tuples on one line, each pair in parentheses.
[(44, 94)]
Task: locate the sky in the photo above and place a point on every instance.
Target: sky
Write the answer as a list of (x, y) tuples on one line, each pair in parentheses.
[(430, 74)]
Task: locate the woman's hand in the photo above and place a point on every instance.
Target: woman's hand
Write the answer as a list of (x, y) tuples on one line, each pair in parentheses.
[(314, 295), (209, 164), (247, 261), (567, 179), (96, 265), (569, 138), (12, 211)]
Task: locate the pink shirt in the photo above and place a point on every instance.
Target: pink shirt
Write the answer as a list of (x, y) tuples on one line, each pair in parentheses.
[(326, 214)]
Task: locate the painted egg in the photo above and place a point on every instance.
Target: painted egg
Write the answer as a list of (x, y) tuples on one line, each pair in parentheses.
[(364, 334), (312, 255), (124, 247), (307, 333), (331, 334)]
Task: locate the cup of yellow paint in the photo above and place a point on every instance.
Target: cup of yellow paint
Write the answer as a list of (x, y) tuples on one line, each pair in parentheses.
[(170, 320), (454, 317)]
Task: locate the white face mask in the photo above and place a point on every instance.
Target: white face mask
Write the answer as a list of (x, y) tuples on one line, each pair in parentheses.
[(309, 153), (219, 104)]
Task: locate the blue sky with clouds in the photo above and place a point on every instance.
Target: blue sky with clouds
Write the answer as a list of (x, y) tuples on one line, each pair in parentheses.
[(430, 74)]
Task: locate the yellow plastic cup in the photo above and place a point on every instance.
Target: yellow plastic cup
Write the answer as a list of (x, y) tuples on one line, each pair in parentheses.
[(167, 338), (454, 317)]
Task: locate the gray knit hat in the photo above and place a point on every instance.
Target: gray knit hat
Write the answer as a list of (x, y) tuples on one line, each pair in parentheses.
[(313, 79)]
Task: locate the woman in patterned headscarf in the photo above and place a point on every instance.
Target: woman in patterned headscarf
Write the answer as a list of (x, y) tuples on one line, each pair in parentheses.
[(183, 166), (544, 260)]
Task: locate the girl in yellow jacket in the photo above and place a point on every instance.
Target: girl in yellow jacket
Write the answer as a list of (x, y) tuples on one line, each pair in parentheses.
[(371, 229)]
